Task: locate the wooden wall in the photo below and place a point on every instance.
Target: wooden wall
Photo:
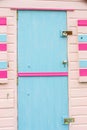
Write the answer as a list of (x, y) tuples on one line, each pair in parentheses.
[(8, 92), (77, 90)]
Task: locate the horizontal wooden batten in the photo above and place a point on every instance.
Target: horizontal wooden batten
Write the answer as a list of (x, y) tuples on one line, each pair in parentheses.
[(54, 9), (3, 21), (82, 47), (83, 63), (82, 22), (3, 73), (3, 65), (82, 37), (41, 74), (3, 47), (83, 72), (3, 37)]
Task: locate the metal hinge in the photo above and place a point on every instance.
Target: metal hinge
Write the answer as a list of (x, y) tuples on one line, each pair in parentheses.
[(69, 120), (66, 33), (17, 15), (17, 80)]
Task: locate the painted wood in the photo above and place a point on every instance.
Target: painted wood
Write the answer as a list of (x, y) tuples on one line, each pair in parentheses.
[(83, 79), (3, 65), (3, 55), (81, 127), (82, 29), (79, 92), (3, 38), (83, 63), (45, 4), (78, 102), (6, 103), (83, 55), (3, 73), (82, 47), (6, 112), (83, 72), (44, 45), (82, 38), (6, 94), (43, 74), (77, 87), (3, 21), (7, 128), (3, 29), (3, 47), (81, 110), (82, 22), (5, 122), (41, 101), (51, 37)]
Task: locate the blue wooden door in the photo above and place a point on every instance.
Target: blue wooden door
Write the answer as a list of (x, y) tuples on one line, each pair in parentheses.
[(42, 84)]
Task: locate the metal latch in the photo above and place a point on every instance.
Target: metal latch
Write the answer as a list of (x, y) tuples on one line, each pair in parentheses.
[(66, 33), (68, 120)]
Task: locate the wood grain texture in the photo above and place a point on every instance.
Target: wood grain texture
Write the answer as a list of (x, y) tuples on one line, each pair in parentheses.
[(77, 90), (8, 92), (76, 4)]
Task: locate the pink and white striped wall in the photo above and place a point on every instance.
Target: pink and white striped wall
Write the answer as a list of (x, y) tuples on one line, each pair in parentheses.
[(82, 47), (3, 50)]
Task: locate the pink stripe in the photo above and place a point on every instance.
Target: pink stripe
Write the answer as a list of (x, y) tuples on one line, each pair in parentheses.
[(82, 22), (3, 47), (82, 47), (3, 73), (83, 72), (62, 9), (3, 21), (22, 74)]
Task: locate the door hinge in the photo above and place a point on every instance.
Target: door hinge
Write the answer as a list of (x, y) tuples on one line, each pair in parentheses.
[(66, 33), (17, 15), (17, 80), (69, 120)]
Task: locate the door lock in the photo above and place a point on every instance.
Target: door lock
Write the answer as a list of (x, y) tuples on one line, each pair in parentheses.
[(64, 62)]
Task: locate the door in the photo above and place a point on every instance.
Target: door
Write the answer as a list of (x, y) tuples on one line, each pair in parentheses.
[(42, 70)]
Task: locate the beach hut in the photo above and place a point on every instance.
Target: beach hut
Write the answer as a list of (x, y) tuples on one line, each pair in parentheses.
[(43, 65)]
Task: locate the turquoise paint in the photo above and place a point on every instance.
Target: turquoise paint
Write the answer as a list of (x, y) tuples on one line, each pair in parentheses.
[(39, 31), (83, 64), (82, 38), (3, 37), (3, 65), (42, 101)]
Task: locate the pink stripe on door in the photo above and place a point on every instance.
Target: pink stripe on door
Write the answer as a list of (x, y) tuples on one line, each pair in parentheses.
[(42, 74), (3, 21), (83, 47), (3, 47), (83, 72), (82, 22), (3, 73)]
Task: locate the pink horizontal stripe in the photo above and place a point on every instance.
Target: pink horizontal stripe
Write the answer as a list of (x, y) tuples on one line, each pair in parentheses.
[(82, 47), (82, 22), (62, 9), (43, 74), (3, 47), (3, 21), (3, 73), (83, 72)]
